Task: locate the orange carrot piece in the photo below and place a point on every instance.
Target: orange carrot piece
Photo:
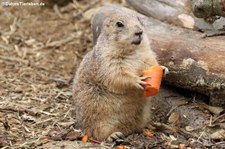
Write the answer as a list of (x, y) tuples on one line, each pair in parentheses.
[(155, 73), (120, 147), (148, 133), (85, 138)]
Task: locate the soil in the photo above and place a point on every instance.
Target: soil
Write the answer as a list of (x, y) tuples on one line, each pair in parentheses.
[(40, 49)]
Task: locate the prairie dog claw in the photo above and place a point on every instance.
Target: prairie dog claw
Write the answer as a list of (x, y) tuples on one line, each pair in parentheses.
[(140, 83), (144, 77), (165, 70)]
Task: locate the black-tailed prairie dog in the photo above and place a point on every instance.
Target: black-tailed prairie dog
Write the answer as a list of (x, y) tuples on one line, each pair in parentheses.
[(107, 89)]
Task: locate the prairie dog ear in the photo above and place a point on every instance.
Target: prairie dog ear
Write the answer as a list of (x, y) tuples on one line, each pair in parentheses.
[(99, 18), (96, 24)]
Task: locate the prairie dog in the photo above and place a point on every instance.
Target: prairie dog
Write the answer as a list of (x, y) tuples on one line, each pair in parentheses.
[(107, 89)]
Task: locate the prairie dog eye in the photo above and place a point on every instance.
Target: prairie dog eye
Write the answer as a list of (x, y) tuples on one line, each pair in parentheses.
[(119, 24)]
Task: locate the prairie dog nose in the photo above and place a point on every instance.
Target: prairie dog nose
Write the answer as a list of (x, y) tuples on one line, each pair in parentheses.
[(137, 38), (139, 33)]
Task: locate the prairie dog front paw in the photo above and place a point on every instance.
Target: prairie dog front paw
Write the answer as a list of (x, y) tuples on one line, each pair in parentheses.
[(140, 82), (165, 70)]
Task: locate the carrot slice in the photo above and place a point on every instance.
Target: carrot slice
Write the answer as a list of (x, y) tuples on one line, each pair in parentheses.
[(155, 73), (148, 133), (85, 138), (120, 147)]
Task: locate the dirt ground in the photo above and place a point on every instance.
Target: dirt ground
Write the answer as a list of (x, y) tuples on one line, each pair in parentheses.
[(40, 49)]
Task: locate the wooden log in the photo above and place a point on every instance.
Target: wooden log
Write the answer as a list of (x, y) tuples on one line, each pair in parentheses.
[(179, 12), (176, 12), (195, 63)]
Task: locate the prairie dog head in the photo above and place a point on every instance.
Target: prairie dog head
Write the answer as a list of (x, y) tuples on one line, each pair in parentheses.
[(123, 31)]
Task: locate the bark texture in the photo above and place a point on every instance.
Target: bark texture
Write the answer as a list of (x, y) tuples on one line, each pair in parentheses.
[(208, 8), (179, 12)]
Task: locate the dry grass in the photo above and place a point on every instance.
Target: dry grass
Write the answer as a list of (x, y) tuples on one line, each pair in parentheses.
[(39, 53)]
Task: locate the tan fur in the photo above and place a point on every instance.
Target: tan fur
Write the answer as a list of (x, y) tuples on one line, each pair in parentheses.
[(106, 87)]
